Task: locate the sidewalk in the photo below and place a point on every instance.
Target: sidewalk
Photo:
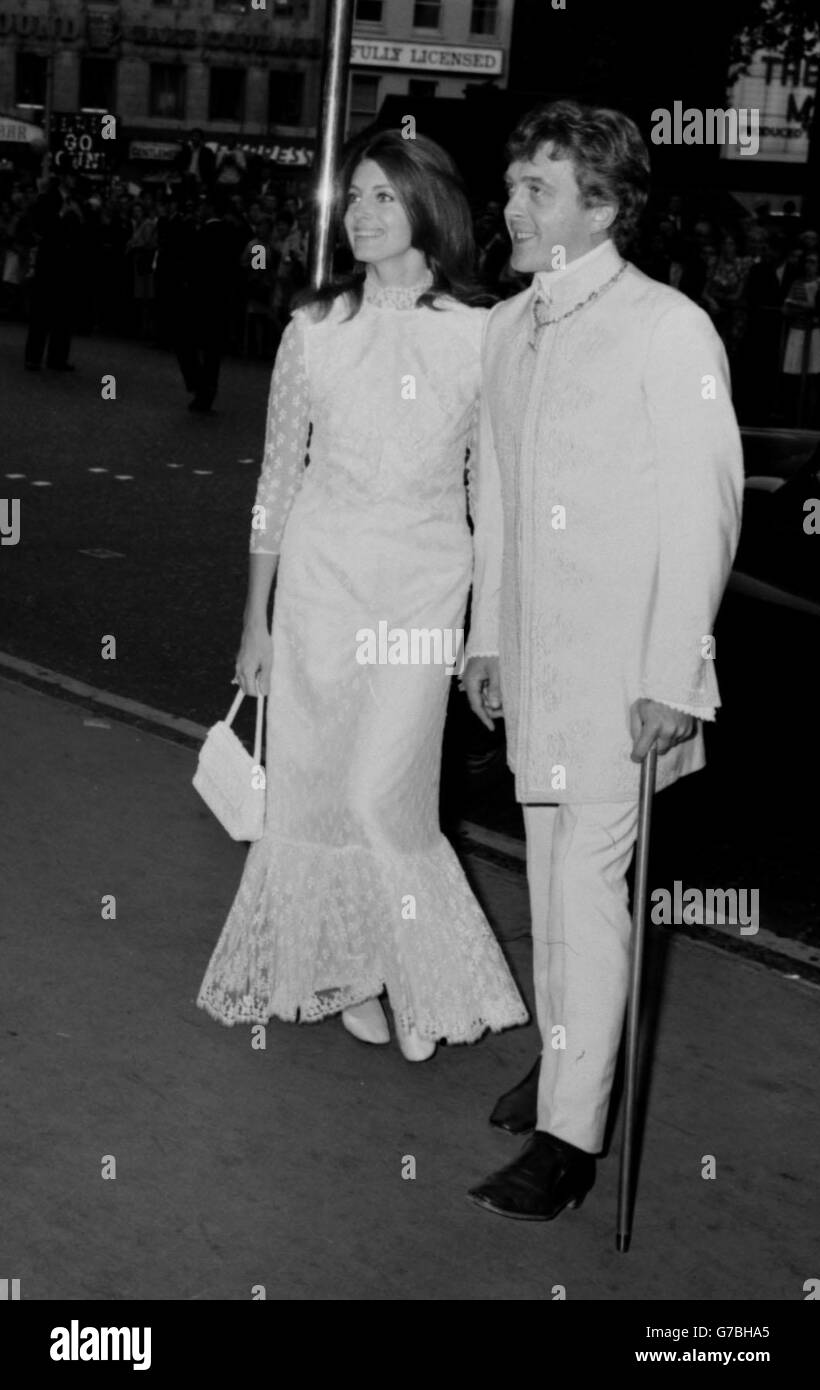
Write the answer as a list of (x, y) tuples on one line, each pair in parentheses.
[(237, 1167)]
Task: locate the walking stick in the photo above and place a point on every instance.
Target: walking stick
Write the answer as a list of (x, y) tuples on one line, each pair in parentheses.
[(633, 1006)]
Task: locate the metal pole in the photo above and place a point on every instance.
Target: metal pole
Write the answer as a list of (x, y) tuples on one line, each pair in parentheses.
[(338, 31), (648, 768)]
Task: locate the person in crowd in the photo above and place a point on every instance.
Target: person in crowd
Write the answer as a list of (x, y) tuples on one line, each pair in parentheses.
[(231, 166), (196, 162), (726, 285), (759, 348), (141, 248), (54, 236), (352, 889), (176, 231), (260, 261), (208, 300), (801, 359)]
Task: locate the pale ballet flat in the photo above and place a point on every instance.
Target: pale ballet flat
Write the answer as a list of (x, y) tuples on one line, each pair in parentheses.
[(367, 1022), (413, 1047)]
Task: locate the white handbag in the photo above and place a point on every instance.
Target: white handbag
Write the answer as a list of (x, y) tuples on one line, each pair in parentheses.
[(229, 780)]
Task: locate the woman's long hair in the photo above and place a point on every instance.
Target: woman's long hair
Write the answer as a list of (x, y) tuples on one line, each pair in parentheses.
[(430, 190)]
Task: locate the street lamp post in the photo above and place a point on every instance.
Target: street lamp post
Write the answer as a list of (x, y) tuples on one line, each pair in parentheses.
[(338, 31)]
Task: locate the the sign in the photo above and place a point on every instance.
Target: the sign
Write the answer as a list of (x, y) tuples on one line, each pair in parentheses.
[(426, 57), (37, 26), (162, 150), (261, 41), (76, 141), (19, 132), (784, 92), (285, 152)]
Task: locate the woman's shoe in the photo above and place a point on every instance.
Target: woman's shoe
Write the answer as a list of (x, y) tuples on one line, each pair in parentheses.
[(367, 1022), (414, 1048)]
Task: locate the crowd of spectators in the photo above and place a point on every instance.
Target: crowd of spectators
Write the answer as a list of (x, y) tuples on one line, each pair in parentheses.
[(121, 258)]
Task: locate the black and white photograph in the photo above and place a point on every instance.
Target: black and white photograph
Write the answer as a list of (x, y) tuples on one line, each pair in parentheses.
[(410, 571)]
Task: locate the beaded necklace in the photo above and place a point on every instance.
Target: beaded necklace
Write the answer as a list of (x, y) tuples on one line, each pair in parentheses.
[(542, 323)]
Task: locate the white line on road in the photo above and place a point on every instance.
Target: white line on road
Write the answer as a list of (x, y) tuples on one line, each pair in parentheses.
[(101, 697)]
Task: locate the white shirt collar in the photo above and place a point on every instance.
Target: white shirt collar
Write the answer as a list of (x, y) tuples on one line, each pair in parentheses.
[(546, 280)]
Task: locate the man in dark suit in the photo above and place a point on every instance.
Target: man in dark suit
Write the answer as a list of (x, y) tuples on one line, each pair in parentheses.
[(196, 162), (207, 302), (55, 232)]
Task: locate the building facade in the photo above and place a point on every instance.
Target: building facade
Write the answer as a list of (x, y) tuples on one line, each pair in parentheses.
[(425, 48), (248, 69)]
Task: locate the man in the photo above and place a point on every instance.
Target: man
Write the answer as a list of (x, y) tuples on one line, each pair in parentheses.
[(56, 231), (196, 162), (608, 502), (208, 301)]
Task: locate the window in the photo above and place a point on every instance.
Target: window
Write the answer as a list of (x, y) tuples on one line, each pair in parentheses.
[(286, 92), (421, 87), (364, 102), (369, 11), (484, 17), (426, 14), (30, 80), (227, 94), (167, 95), (226, 6), (98, 81)]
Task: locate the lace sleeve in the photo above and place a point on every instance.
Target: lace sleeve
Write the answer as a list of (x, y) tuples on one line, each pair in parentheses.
[(286, 434)]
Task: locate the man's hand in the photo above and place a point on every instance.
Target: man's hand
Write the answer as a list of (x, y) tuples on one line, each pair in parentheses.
[(651, 722), (482, 682)]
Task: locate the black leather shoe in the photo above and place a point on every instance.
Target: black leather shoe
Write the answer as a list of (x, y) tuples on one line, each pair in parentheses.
[(548, 1175), (516, 1111)]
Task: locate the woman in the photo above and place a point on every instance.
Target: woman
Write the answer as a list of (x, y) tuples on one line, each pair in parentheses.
[(353, 888), (801, 312), (142, 247)]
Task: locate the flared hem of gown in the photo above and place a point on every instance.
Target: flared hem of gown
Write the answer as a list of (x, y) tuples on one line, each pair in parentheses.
[(315, 929)]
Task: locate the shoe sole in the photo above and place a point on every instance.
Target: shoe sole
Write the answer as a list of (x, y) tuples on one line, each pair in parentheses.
[(486, 1205)]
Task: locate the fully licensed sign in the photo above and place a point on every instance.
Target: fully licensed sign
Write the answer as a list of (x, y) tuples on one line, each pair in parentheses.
[(426, 57), (76, 141)]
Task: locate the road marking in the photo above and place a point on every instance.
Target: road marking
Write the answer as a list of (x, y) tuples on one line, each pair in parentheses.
[(135, 708), (96, 470), (102, 554), (246, 460), (15, 1288), (40, 483), (124, 477), (173, 465), (202, 472), (15, 475)]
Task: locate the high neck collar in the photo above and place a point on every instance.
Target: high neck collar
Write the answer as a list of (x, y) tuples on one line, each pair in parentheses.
[(394, 296), (563, 289)]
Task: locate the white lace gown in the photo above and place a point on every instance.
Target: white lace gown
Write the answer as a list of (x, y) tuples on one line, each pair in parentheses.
[(353, 888)]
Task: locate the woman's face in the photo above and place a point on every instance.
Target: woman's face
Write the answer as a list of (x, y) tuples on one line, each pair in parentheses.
[(376, 223), (810, 266)]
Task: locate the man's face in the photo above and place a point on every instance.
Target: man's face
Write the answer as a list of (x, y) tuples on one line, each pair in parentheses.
[(544, 211)]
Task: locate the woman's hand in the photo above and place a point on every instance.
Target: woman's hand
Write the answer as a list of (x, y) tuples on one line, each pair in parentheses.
[(254, 659)]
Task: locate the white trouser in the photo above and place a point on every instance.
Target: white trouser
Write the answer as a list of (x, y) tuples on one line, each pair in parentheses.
[(577, 859)]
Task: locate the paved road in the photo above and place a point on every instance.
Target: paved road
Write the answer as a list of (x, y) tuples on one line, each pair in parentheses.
[(169, 493), (237, 1166)]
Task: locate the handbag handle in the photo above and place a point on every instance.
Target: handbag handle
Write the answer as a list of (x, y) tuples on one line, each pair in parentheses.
[(260, 706)]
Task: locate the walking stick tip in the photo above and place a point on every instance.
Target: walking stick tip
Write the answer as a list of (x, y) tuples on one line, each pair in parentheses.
[(622, 1242)]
